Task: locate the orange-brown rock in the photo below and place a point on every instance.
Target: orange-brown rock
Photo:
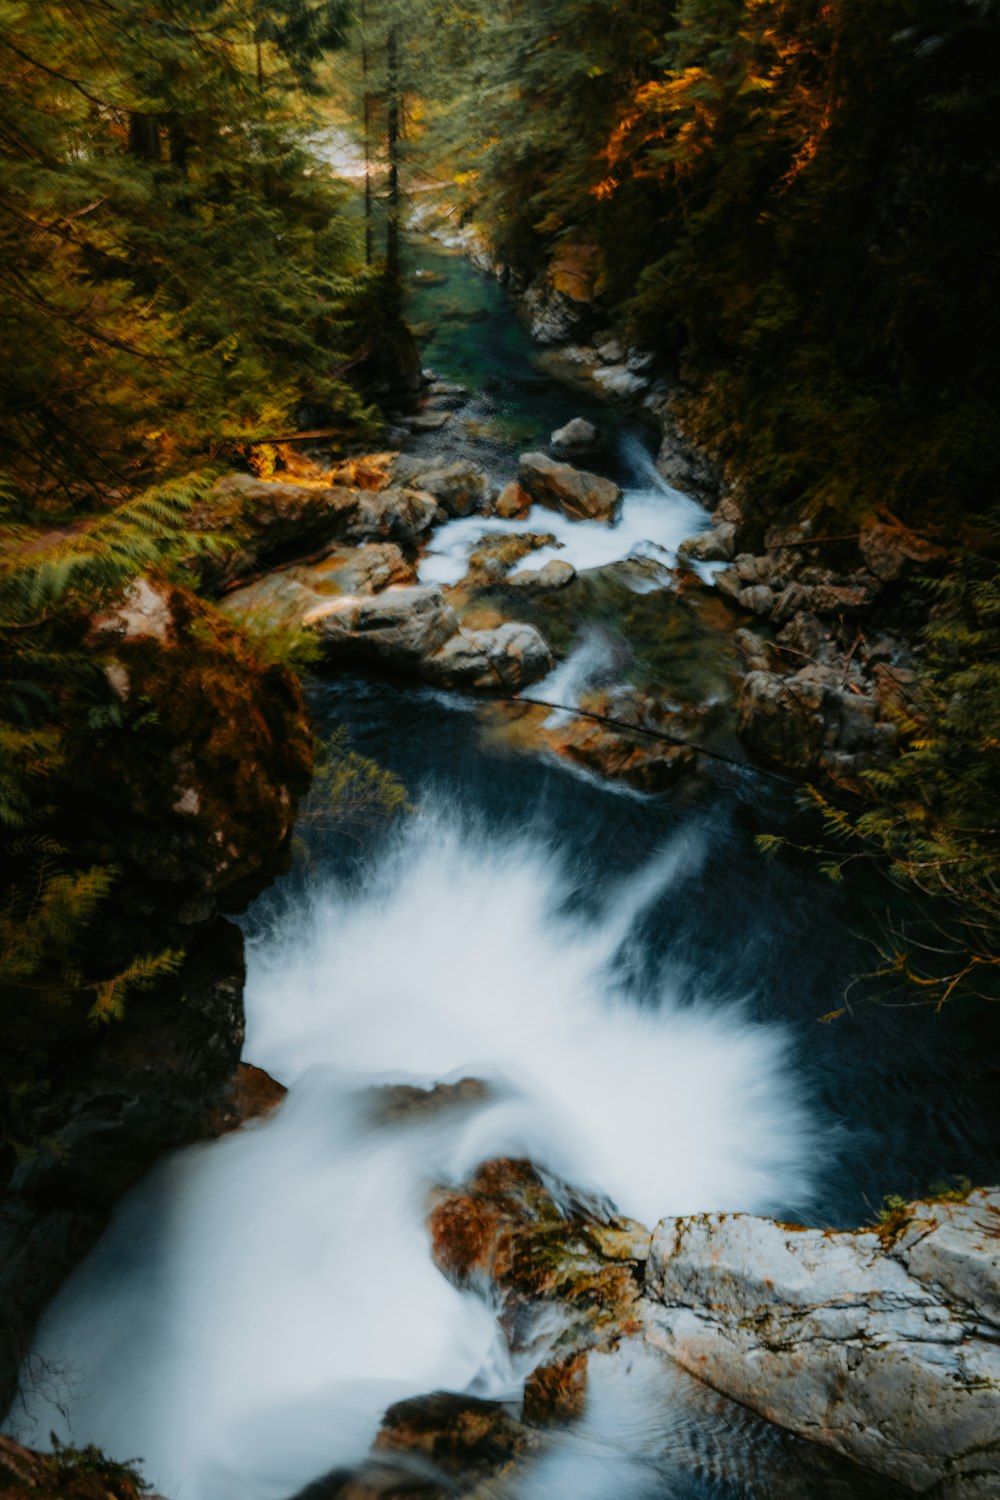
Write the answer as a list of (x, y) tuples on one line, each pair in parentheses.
[(557, 1392), (513, 503), (504, 1230), (253, 1095)]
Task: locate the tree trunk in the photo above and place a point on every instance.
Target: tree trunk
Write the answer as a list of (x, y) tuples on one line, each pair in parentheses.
[(393, 264), (144, 137)]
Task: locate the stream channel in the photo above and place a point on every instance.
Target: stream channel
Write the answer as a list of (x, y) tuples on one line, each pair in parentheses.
[(639, 985)]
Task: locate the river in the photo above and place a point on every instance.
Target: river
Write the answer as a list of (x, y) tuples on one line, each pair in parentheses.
[(641, 990)]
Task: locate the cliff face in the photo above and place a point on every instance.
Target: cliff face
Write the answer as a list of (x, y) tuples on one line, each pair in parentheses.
[(190, 799)]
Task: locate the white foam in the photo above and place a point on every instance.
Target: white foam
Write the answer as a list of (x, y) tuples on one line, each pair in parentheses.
[(259, 1303), (655, 518)]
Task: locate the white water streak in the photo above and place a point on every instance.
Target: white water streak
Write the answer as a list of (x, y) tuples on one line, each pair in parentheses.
[(260, 1301)]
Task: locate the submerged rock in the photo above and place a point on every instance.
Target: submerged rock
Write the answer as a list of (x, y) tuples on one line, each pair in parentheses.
[(579, 495), (883, 1344), (578, 436)]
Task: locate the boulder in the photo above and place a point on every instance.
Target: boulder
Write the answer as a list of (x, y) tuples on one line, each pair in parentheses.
[(397, 515), (459, 488), (579, 495), (890, 550), (810, 721), (397, 628), (513, 503), (555, 575), (508, 1233), (505, 659), (718, 544), (883, 1344), (578, 436)]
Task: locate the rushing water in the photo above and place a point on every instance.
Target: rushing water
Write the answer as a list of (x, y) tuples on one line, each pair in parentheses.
[(640, 991)]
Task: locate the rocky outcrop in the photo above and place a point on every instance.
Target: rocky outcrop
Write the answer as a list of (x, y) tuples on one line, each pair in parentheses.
[(185, 791), (810, 722), (416, 629), (579, 495), (513, 503), (504, 659), (97, 1107), (883, 1344), (266, 522), (192, 799)]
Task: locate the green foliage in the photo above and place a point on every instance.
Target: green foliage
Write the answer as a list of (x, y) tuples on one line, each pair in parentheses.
[(51, 691), (177, 273), (350, 794), (86, 1472)]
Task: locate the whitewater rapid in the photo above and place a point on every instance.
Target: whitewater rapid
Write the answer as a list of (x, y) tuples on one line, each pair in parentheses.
[(655, 518), (258, 1302)]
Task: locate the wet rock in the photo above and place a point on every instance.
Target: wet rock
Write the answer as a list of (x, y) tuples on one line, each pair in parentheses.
[(555, 575), (891, 550), (883, 1344), (513, 503), (579, 495), (401, 1103), (505, 1234), (504, 659), (459, 488), (435, 1447), (681, 465), (252, 1095), (577, 437), (716, 545), (462, 1435), (557, 1392), (752, 570), (397, 628), (495, 555)]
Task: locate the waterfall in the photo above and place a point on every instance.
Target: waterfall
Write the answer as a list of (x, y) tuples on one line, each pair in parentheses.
[(259, 1301)]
